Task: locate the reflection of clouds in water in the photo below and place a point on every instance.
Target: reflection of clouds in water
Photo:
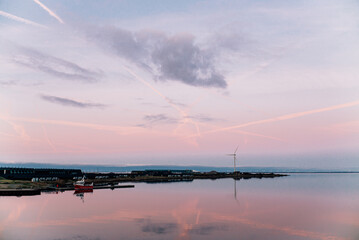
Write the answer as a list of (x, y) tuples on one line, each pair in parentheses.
[(13, 216), (148, 226), (79, 237), (94, 219), (187, 221), (185, 216), (206, 229), (288, 230)]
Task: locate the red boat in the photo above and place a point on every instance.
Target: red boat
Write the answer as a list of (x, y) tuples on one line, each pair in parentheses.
[(79, 191), (80, 185)]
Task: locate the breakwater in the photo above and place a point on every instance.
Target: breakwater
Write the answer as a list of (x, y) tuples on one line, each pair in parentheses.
[(152, 176)]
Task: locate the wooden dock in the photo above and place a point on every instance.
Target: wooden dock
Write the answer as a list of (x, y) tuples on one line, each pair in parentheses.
[(20, 192), (69, 188), (113, 187)]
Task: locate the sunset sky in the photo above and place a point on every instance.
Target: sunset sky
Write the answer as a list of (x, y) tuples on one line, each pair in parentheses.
[(180, 82)]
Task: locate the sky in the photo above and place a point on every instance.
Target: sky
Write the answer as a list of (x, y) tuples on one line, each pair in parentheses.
[(132, 82)]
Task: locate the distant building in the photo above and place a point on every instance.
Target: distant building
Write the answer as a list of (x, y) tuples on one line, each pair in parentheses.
[(30, 173), (164, 173)]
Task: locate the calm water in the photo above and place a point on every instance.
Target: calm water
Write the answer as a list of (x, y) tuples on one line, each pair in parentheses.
[(302, 206)]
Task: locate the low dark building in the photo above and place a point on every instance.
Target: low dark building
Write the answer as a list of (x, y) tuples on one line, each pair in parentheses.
[(95, 175), (162, 173), (29, 173)]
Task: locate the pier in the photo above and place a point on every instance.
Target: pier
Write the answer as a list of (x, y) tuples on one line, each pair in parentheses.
[(70, 188), (19, 192)]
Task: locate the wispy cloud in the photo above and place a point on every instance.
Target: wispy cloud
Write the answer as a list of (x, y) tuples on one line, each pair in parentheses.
[(55, 66), (177, 102), (155, 118), (287, 116), (8, 83), (70, 102), (203, 118), (49, 11), (20, 19), (169, 58), (183, 114)]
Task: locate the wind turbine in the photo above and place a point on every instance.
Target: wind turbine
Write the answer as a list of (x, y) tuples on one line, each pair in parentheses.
[(234, 158)]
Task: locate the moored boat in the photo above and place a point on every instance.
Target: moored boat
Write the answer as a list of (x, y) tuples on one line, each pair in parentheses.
[(81, 185)]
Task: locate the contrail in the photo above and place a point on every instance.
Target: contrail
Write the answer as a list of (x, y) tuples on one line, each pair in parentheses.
[(246, 133), (49, 11), (7, 134), (118, 129), (286, 117), (154, 89), (259, 135), (20, 130), (19, 19), (52, 146)]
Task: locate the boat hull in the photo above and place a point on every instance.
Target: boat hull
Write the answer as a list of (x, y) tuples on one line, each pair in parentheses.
[(79, 187), (79, 191)]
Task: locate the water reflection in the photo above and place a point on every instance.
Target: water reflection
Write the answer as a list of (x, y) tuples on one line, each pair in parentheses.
[(204, 209), (81, 193), (235, 189)]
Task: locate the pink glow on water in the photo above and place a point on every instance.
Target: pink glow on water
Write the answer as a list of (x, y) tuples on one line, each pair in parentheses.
[(201, 209)]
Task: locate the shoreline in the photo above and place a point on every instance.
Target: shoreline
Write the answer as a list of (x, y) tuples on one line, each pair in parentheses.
[(26, 187)]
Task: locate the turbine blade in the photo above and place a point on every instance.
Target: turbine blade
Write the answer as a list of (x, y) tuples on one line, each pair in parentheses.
[(236, 150)]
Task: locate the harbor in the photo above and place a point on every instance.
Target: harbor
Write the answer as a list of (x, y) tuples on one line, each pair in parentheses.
[(25, 181)]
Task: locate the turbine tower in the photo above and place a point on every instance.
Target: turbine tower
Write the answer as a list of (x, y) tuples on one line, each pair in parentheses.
[(234, 158)]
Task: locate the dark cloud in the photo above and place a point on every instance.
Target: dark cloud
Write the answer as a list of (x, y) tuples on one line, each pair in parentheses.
[(180, 59), (55, 66), (70, 102), (175, 58)]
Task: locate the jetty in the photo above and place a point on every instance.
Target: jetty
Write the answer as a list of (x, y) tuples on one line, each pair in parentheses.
[(70, 188), (20, 192)]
